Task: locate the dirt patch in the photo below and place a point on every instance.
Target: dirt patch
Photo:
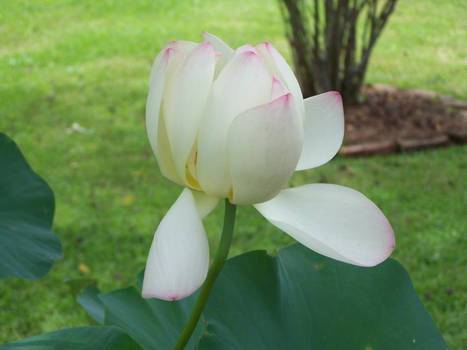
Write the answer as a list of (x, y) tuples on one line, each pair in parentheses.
[(392, 120)]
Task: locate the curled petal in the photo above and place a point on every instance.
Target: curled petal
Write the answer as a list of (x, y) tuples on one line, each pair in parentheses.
[(264, 146), (333, 220), (324, 129), (243, 83), (179, 256)]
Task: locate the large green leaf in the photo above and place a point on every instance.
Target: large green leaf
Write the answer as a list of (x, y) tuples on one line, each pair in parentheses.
[(296, 300), (89, 299), (302, 300), (79, 338), (28, 247), (154, 324)]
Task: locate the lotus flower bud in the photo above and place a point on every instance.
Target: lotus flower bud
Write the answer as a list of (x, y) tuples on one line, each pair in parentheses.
[(227, 123)]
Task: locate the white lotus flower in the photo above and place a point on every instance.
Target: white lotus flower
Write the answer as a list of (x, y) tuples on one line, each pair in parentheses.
[(233, 124)]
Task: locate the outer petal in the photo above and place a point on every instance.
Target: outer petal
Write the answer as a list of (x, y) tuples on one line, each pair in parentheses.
[(264, 146), (324, 129), (243, 83), (156, 130), (333, 220), (180, 47), (186, 98), (279, 66), (179, 256), (219, 46), (183, 46)]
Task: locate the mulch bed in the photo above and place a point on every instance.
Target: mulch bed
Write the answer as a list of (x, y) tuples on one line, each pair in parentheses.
[(393, 120)]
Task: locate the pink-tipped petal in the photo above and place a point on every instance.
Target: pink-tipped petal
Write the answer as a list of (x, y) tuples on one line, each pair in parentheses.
[(264, 146), (185, 101), (164, 64), (333, 220), (167, 62), (279, 67), (278, 89), (242, 84), (181, 45), (178, 260), (246, 48), (324, 129)]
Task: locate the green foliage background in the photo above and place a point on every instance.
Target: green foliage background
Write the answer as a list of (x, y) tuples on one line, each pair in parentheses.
[(67, 61)]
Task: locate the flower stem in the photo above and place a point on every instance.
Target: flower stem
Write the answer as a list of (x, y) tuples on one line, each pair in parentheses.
[(216, 267)]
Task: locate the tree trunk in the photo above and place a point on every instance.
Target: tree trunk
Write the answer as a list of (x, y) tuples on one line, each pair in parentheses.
[(330, 48)]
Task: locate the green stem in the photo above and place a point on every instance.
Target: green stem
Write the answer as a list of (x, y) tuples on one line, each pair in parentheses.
[(216, 267)]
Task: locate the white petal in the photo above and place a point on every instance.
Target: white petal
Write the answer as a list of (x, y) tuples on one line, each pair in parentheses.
[(155, 128), (204, 203), (281, 68), (157, 81), (180, 47), (220, 46), (179, 256), (324, 129), (243, 83), (246, 48), (264, 146), (278, 89), (185, 101), (333, 220)]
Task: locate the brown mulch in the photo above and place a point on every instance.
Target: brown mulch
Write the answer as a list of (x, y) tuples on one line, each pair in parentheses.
[(392, 120)]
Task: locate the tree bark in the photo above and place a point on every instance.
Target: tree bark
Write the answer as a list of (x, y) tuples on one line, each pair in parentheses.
[(331, 50)]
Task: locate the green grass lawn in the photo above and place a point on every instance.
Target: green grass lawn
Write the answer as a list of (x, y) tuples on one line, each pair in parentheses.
[(66, 61)]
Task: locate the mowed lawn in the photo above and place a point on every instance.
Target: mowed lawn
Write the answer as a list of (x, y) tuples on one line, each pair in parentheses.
[(88, 62)]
